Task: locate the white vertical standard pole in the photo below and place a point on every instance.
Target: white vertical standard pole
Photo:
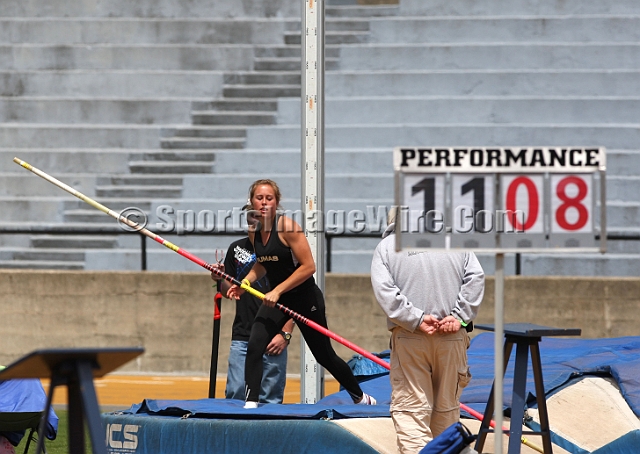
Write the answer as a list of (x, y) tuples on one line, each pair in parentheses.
[(498, 352), (312, 159)]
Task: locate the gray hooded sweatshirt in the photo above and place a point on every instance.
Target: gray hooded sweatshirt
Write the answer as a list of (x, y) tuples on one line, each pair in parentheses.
[(409, 284)]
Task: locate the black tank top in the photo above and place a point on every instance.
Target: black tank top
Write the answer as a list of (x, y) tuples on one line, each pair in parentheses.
[(277, 258)]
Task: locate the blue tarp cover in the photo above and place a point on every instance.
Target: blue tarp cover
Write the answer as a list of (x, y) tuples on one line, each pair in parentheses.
[(626, 444), (25, 395), (562, 360)]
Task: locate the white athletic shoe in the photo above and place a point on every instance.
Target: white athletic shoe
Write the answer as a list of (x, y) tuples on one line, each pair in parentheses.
[(367, 400), (249, 404)]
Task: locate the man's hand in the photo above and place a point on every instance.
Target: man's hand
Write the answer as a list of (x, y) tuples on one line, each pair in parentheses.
[(219, 267), (429, 324), (276, 346), (234, 292), (449, 324)]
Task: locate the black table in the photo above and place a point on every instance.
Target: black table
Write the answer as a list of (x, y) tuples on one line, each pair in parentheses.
[(525, 336), (76, 369)]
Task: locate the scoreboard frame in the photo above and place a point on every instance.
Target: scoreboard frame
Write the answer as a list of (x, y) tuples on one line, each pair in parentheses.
[(500, 199)]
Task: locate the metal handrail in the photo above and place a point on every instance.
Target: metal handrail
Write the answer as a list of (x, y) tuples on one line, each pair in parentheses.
[(114, 229)]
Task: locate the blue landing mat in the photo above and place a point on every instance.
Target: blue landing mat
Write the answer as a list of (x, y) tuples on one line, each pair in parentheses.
[(562, 360), (219, 425), (128, 434)]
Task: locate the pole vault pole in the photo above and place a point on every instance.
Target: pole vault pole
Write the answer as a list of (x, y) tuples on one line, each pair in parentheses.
[(244, 285)]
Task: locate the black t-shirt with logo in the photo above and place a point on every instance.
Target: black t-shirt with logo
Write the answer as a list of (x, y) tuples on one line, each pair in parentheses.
[(238, 262)]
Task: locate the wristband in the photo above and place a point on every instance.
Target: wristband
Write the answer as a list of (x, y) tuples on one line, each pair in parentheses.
[(462, 322)]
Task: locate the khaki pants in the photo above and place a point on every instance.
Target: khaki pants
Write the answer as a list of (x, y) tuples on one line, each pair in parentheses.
[(428, 373)]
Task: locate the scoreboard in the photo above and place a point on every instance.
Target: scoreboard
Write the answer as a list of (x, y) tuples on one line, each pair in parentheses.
[(509, 199)]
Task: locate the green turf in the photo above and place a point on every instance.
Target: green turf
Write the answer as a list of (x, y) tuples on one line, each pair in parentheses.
[(61, 444)]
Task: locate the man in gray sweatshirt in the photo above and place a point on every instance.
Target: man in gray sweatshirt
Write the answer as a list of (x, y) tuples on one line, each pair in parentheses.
[(429, 299)]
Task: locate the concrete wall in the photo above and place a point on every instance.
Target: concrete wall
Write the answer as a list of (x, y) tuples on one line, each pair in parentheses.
[(170, 314)]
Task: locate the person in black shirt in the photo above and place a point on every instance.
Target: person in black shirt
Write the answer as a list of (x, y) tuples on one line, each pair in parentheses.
[(284, 256), (238, 262)]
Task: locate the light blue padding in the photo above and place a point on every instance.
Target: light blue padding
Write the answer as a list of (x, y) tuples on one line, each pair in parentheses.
[(26, 395), (274, 374), (629, 443), (166, 435)]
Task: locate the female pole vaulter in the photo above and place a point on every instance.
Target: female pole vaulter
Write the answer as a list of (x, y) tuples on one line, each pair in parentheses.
[(284, 255)]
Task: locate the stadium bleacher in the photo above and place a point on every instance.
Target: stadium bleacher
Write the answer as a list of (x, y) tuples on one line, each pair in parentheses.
[(161, 103)]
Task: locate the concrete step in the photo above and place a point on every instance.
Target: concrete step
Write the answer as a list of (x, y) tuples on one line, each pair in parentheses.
[(335, 24), (623, 187), (623, 162), (178, 156), (73, 241), (33, 208), (581, 265), (235, 186), (152, 85), (27, 184), (214, 117), (551, 28), (292, 51), (261, 91), (113, 203), (290, 64), (495, 56), (374, 185), (513, 8), (164, 191), (61, 255), (62, 135), (97, 161), (140, 180), (354, 161), (170, 167), (85, 216), (207, 143), (151, 9), (621, 214), (205, 131), (263, 78), (132, 57), (489, 82), (331, 37), (42, 264), (481, 109), (66, 160), (101, 111), (238, 104), (369, 136), (360, 11), (623, 246), (9, 241), (139, 30)]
